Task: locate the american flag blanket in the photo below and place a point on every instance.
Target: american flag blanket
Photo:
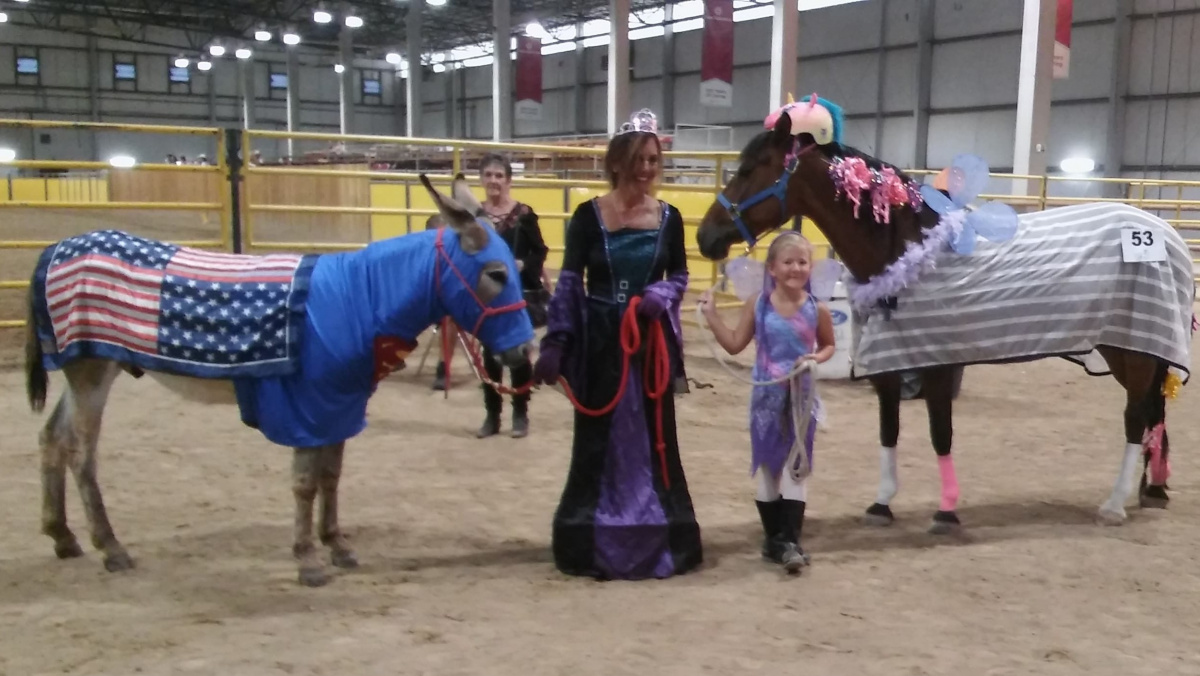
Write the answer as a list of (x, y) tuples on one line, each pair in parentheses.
[(1060, 287), (161, 307)]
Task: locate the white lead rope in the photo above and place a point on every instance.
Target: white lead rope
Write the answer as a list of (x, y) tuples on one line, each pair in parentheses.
[(802, 407)]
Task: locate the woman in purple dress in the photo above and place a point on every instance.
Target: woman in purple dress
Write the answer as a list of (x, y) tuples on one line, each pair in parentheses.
[(619, 516)]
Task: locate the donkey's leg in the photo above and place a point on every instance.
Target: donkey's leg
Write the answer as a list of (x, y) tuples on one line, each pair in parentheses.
[(939, 396), (89, 383), (887, 389), (55, 442), (1137, 374), (341, 555), (306, 466)]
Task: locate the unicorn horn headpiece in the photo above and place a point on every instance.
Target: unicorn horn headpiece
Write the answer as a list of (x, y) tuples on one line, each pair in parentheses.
[(812, 115)]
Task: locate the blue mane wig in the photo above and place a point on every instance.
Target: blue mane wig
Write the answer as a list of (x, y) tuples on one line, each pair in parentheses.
[(835, 111)]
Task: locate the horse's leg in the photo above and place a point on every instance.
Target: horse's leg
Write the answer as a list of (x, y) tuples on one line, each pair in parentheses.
[(1137, 374), (55, 442), (331, 534), (306, 465), (939, 397), (887, 389), (89, 383)]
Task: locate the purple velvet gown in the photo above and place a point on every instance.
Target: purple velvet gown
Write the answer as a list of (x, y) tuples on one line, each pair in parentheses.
[(616, 518)]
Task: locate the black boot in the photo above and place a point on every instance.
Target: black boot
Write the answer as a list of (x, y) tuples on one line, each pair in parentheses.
[(439, 377), (492, 402), (768, 513), (791, 523), (520, 375)]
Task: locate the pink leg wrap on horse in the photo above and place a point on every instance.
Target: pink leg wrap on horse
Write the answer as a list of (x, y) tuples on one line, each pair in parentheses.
[(1152, 442), (949, 484)]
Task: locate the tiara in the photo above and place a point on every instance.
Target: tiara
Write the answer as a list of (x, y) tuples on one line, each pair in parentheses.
[(641, 121)]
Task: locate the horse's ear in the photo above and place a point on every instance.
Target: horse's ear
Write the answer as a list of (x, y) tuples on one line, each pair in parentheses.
[(463, 195), (472, 236), (783, 128)]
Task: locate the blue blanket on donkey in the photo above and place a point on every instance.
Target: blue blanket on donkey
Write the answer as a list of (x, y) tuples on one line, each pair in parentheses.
[(161, 307)]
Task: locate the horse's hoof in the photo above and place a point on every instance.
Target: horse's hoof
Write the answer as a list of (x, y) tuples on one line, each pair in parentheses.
[(945, 523), (313, 577), (118, 561), (1108, 516), (68, 549), (343, 558), (879, 515), (1153, 497)]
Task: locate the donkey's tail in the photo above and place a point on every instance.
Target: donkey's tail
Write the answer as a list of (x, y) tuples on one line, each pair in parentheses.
[(36, 381)]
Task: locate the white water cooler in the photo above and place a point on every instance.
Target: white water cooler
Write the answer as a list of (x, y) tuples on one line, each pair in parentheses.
[(838, 366)]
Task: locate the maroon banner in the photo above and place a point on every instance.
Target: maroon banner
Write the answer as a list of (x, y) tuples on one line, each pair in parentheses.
[(1062, 39), (716, 54), (529, 78)]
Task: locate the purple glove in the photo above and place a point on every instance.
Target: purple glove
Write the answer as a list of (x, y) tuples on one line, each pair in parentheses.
[(549, 364), (653, 305)]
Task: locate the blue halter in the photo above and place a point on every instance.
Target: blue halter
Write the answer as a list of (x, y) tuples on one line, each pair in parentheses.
[(777, 190)]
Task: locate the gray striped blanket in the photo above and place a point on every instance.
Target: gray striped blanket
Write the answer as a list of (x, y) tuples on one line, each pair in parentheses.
[(1059, 287)]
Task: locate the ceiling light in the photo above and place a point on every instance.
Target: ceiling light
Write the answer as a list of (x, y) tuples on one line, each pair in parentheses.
[(7, 154), (535, 30), (122, 161), (22, 0), (290, 38), (354, 21), (3, 17), (181, 62), (392, 58), (321, 16), (1078, 165), (242, 53), (435, 3), (262, 35), (339, 68), (216, 50), (439, 67), (204, 65)]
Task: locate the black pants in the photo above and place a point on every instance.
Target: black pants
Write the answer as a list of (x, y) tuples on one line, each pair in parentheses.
[(519, 376)]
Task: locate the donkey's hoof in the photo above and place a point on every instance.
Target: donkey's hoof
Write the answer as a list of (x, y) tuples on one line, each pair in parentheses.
[(68, 549), (313, 577), (118, 561), (1154, 497), (879, 515), (1107, 516), (945, 523), (343, 558)]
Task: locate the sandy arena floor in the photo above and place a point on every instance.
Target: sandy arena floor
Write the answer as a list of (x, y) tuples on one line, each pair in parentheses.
[(453, 534)]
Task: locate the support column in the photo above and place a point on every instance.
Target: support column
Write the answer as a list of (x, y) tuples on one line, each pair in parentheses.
[(293, 98), (618, 64), (412, 111), (924, 83), (246, 91), (1114, 150), (667, 119), (93, 69), (450, 96), (880, 80), (580, 82), (1033, 93), (785, 52), (502, 69), (346, 79)]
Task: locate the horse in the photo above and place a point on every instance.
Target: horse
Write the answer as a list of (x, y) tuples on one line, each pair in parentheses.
[(786, 172), (299, 342)]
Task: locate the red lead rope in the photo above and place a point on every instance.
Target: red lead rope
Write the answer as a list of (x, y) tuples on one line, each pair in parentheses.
[(656, 374)]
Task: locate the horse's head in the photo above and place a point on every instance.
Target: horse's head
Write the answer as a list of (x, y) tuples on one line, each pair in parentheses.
[(477, 279), (781, 176)]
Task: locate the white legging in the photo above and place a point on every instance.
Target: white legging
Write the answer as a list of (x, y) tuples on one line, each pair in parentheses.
[(771, 487)]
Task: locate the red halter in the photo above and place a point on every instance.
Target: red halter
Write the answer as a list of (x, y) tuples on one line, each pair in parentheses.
[(485, 311)]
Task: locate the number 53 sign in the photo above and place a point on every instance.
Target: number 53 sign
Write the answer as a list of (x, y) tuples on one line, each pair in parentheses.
[(1142, 245)]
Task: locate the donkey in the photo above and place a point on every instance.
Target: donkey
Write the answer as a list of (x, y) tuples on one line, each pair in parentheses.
[(309, 345), (793, 167)]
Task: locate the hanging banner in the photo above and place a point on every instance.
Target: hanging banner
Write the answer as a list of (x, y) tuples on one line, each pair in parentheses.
[(1062, 40), (529, 78), (716, 54)]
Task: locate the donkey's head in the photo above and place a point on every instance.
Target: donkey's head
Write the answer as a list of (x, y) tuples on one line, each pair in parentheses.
[(477, 280)]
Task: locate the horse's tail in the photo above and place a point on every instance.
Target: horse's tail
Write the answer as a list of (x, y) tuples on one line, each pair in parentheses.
[(36, 381), (1155, 444)]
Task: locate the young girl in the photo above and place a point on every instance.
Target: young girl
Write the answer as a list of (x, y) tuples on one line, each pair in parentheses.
[(788, 326)]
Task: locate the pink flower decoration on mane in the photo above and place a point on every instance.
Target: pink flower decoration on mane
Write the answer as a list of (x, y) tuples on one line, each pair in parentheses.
[(851, 176), (889, 192)]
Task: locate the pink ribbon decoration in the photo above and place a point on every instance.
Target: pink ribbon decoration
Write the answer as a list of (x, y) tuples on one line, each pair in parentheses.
[(851, 176), (1160, 465)]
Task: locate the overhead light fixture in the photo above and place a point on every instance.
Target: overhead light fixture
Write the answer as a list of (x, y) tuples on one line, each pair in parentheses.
[(339, 68), (3, 17), (204, 64), (535, 30), (243, 53), (321, 16), (181, 62), (1078, 165), (435, 3), (22, 0), (291, 38), (122, 161), (7, 155), (393, 58), (262, 35), (353, 21), (216, 50), (439, 68)]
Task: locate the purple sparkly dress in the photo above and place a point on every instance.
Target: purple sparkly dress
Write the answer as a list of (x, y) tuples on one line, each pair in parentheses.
[(779, 342)]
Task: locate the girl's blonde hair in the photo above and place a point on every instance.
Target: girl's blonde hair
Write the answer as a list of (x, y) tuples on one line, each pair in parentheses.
[(784, 239)]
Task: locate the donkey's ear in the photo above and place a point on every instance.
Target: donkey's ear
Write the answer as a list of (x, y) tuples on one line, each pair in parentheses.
[(782, 131), (463, 195), (472, 236)]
